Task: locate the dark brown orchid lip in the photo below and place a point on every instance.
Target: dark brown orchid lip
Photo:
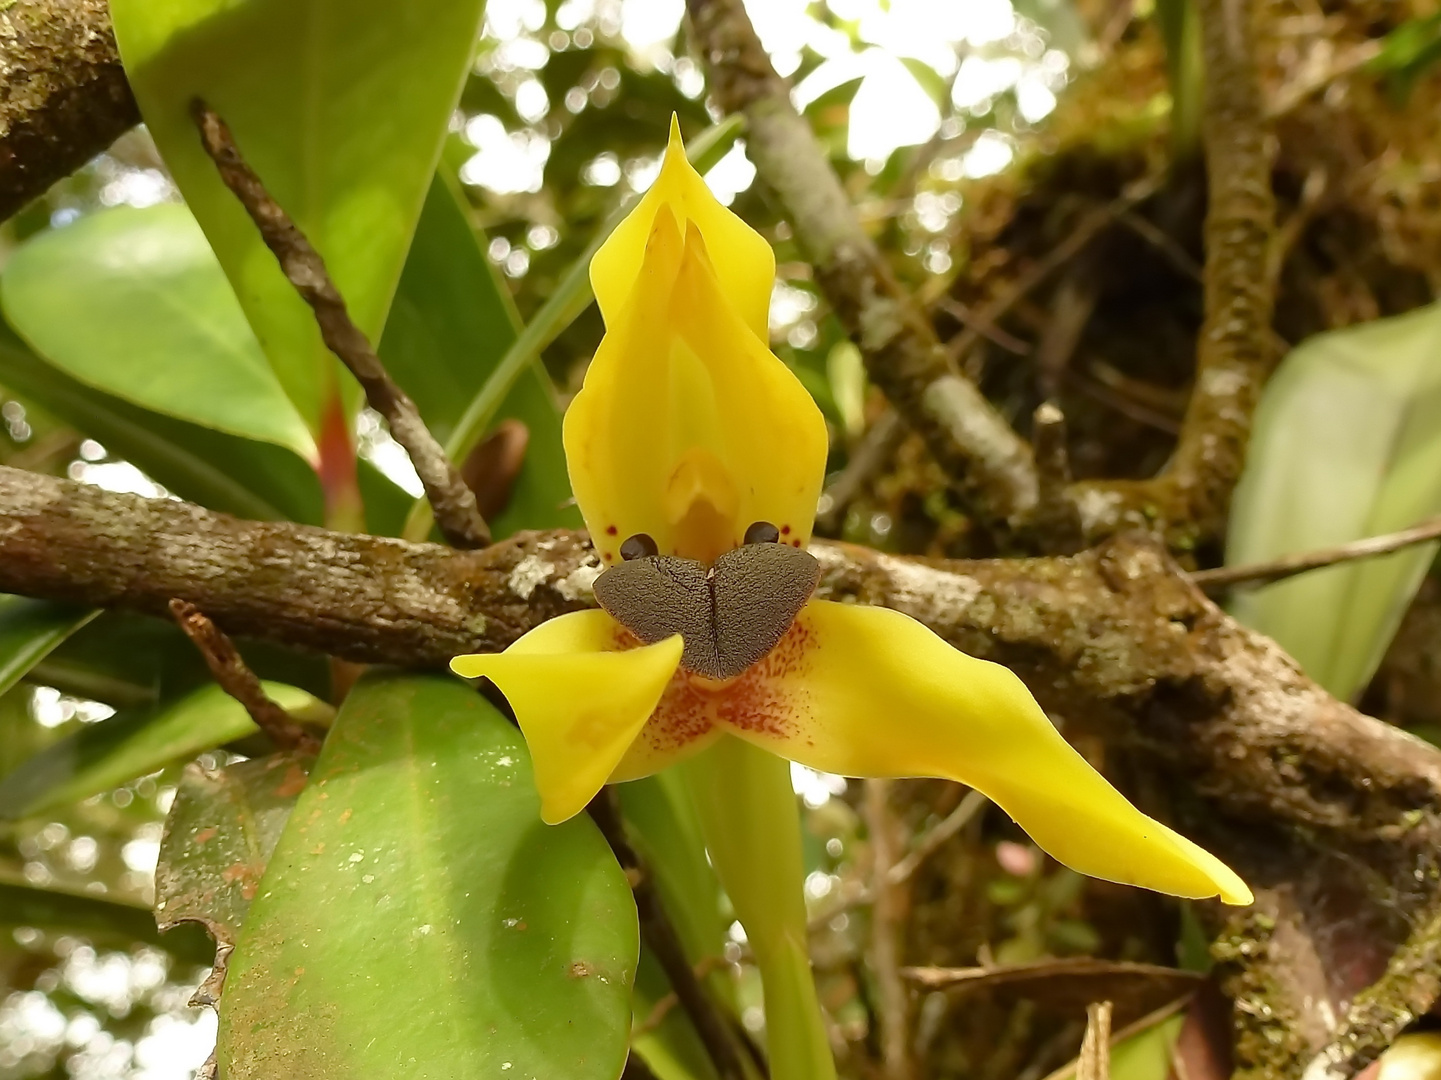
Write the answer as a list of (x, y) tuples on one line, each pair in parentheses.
[(729, 615)]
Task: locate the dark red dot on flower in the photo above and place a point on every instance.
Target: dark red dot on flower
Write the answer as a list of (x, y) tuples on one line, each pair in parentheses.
[(785, 530), (795, 543), (607, 556), (610, 530)]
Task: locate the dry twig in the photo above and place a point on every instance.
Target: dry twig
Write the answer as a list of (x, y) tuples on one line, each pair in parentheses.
[(664, 943), (1095, 1060), (966, 434), (236, 679), (1236, 347), (1254, 574), (886, 918), (456, 511)]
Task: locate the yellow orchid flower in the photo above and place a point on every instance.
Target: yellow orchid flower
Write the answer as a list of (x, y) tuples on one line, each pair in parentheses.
[(697, 457)]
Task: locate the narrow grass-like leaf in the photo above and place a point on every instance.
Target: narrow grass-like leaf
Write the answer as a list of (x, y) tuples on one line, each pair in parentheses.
[(29, 630), (132, 743)]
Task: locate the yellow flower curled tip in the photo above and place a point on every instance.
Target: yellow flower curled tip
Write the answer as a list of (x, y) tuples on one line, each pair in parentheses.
[(743, 261), (696, 458)]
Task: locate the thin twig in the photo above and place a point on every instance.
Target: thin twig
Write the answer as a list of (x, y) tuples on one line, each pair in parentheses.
[(966, 433), (661, 1009), (456, 512), (664, 943), (236, 679), (973, 803), (903, 869), (970, 320), (886, 917), (869, 457), (1036, 274), (1223, 577)]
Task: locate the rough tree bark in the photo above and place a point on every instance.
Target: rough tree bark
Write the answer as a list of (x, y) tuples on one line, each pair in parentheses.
[(63, 95)]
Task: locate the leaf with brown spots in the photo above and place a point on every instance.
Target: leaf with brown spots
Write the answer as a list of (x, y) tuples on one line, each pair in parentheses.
[(221, 831)]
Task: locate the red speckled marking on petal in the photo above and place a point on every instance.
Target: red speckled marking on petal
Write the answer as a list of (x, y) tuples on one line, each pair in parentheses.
[(759, 701), (610, 530)]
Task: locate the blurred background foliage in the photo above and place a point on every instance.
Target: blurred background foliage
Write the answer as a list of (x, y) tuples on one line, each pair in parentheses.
[(978, 141)]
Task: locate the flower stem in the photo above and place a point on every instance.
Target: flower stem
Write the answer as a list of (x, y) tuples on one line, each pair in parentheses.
[(751, 824)]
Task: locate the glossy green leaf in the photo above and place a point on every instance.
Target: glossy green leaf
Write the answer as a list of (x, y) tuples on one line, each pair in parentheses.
[(240, 476), (30, 629), (418, 919), (340, 106), (219, 836), (160, 326), (101, 756), (451, 324), (1347, 444)]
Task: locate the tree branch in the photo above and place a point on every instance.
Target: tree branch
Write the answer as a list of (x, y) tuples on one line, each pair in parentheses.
[(236, 679), (456, 510), (1116, 638), (1234, 354), (965, 433), (64, 97)]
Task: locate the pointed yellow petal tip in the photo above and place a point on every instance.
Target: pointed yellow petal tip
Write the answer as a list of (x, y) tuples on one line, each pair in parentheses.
[(743, 260), (872, 692)]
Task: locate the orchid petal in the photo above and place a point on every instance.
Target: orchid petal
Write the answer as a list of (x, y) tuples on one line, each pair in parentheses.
[(866, 691), (688, 428), (580, 700), (744, 261)]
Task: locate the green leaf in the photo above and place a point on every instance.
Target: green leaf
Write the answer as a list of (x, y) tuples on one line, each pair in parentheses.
[(340, 106), (102, 756), (29, 630), (219, 836), (418, 919), (102, 920), (451, 324), (1347, 444), (666, 833), (132, 302), (240, 476)]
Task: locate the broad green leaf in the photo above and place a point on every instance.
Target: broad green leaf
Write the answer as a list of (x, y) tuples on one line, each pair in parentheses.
[(101, 756), (132, 302), (29, 630), (418, 919), (451, 324), (1347, 444), (105, 921), (340, 106), (219, 836), (240, 476)]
